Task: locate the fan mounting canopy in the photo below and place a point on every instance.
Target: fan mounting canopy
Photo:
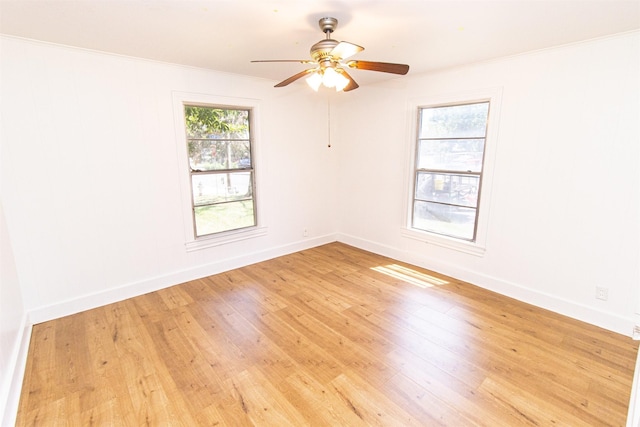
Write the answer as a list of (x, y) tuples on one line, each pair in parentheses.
[(328, 24)]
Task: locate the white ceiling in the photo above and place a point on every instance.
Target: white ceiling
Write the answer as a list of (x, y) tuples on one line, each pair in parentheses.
[(225, 35)]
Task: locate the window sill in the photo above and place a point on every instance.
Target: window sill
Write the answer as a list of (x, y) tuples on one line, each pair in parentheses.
[(471, 248), (224, 238)]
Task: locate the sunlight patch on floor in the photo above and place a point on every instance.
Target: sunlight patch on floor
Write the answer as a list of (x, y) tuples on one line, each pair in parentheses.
[(409, 275)]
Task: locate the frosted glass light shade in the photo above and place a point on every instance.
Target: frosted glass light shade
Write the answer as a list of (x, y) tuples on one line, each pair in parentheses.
[(328, 77), (314, 81)]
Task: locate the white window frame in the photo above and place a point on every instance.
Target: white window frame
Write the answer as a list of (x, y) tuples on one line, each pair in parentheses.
[(182, 99), (477, 247)]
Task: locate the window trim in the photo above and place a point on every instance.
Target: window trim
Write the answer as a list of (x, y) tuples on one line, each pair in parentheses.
[(192, 242), (477, 247)]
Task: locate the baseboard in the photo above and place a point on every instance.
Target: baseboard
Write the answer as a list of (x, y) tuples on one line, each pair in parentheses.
[(10, 392), (580, 312), (130, 290), (567, 308)]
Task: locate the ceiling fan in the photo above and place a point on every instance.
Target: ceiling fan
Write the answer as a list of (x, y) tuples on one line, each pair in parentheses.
[(329, 55)]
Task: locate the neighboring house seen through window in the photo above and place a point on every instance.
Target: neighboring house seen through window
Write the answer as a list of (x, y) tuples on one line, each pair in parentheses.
[(448, 169), (221, 168)]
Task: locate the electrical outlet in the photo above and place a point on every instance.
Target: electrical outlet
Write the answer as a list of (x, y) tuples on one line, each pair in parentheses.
[(602, 293), (305, 233)]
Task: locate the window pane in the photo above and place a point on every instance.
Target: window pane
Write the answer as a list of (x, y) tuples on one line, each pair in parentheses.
[(447, 188), (458, 121), (451, 154), (211, 154), (444, 219), (221, 187), (216, 123), (224, 217)]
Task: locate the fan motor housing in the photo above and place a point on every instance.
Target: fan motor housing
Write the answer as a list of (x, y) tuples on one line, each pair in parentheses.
[(321, 50)]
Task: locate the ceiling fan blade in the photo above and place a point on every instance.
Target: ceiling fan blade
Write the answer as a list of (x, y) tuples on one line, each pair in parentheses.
[(385, 67), (344, 50), (352, 83), (295, 77), (300, 61)]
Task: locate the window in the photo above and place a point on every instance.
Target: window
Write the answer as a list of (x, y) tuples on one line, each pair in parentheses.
[(221, 168), (448, 169)]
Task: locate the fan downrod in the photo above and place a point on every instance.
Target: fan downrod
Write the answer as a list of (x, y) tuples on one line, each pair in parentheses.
[(321, 51)]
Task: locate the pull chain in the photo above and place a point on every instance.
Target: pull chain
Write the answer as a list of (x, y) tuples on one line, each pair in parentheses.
[(329, 122)]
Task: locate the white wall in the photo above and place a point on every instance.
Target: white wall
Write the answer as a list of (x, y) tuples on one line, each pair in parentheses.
[(91, 176), (90, 184), (565, 197)]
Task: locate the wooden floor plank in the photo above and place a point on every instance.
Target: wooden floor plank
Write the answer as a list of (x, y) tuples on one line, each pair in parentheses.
[(328, 336), (316, 402)]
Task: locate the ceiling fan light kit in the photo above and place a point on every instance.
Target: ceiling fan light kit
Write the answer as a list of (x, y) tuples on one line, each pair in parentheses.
[(328, 77), (330, 70)]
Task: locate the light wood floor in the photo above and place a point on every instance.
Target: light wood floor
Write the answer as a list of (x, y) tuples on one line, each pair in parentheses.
[(332, 336)]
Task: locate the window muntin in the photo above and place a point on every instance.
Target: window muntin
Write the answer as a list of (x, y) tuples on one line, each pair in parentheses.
[(221, 168), (448, 169)]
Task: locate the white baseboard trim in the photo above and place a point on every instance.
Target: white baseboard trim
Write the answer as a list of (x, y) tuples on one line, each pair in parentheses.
[(10, 391), (593, 316), (130, 290)]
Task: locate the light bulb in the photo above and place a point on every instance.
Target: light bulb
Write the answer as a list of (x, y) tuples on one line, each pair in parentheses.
[(314, 81), (330, 77)]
